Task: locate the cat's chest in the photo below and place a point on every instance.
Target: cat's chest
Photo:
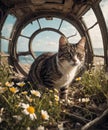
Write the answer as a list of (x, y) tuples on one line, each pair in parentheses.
[(66, 79)]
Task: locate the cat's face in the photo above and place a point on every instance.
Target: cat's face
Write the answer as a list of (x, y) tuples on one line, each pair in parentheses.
[(74, 54)]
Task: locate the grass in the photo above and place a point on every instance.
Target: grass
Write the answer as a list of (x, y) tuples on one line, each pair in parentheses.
[(20, 109), (95, 84)]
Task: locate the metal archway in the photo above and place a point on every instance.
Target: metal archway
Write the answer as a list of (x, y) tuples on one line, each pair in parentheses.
[(70, 11), (12, 46)]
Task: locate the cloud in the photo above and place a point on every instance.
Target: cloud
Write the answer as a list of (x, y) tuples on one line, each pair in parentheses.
[(22, 44), (45, 45), (48, 41), (6, 30), (104, 7), (90, 19), (52, 43), (67, 29)]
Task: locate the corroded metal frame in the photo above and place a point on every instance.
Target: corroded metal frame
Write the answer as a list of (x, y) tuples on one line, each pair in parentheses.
[(14, 60), (71, 18)]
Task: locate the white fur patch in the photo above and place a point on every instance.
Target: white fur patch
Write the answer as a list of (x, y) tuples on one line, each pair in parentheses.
[(68, 72)]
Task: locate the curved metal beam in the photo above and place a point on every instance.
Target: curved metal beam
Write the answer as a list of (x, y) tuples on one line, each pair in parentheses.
[(39, 31), (22, 23), (104, 31)]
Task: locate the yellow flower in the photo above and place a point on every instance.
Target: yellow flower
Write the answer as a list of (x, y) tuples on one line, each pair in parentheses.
[(56, 98), (44, 115), (24, 92), (29, 110), (13, 90), (9, 84), (78, 79), (21, 84), (51, 91), (55, 90), (36, 93)]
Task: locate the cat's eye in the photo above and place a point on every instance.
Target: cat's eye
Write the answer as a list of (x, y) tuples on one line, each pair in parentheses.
[(35, 28), (78, 54)]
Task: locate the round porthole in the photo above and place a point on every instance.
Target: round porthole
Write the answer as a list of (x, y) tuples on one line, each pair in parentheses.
[(42, 35), (24, 36)]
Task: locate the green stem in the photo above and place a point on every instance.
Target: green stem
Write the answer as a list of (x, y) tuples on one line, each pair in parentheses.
[(7, 101), (40, 103)]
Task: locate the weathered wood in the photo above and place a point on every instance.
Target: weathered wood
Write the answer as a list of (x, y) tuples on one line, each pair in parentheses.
[(98, 121), (76, 118)]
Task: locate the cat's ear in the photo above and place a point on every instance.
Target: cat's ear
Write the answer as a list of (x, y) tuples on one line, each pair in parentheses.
[(81, 43), (62, 41)]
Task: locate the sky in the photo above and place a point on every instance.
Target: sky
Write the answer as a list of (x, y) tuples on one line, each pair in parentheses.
[(48, 40)]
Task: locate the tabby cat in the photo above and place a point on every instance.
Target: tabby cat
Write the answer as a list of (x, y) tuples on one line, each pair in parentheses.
[(58, 70)]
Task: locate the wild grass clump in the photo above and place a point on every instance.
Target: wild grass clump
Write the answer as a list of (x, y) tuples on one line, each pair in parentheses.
[(21, 110), (95, 84), (6, 73), (28, 110)]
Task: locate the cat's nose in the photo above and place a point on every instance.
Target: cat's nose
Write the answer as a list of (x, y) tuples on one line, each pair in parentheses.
[(76, 61)]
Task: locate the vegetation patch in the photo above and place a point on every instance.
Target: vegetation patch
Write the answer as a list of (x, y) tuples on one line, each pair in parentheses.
[(38, 110)]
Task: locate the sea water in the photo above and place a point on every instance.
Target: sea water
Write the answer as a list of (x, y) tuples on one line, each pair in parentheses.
[(29, 59)]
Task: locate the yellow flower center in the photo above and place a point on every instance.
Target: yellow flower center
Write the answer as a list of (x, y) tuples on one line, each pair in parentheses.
[(78, 79), (44, 116), (13, 90), (31, 109)]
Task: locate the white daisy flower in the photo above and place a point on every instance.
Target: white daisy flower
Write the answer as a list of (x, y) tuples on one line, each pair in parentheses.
[(9, 84), (41, 128), (44, 115), (29, 110), (28, 128), (36, 93)]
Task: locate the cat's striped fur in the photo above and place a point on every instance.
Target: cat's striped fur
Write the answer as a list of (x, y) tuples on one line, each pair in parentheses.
[(58, 70)]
